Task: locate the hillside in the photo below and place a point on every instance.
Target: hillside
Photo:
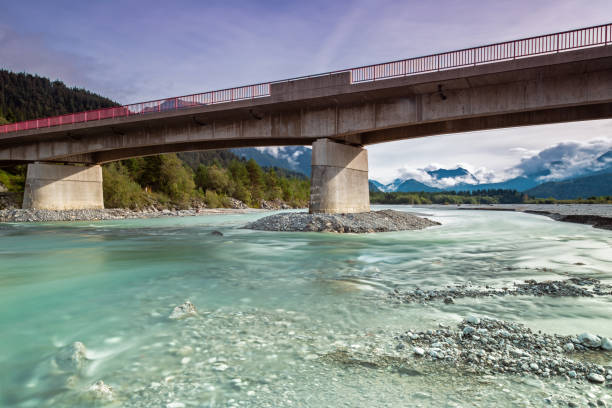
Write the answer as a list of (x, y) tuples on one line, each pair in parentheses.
[(589, 186), (24, 96)]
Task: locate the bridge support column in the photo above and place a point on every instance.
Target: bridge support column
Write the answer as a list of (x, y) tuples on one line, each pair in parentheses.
[(339, 181), (57, 187)]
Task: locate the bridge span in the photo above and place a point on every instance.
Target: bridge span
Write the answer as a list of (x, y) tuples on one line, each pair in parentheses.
[(540, 80)]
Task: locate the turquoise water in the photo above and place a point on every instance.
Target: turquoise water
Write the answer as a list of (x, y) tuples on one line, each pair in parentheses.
[(271, 304)]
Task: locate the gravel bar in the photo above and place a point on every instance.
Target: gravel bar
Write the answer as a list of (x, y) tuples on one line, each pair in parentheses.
[(373, 221)]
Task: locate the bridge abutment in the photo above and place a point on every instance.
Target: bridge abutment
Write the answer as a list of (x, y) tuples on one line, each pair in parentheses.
[(339, 181), (63, 187)]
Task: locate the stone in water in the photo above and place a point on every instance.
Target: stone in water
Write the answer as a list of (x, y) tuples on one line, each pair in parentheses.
[(183, 311)]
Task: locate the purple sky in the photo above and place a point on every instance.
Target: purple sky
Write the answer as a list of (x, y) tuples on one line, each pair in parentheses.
[(132, 51)]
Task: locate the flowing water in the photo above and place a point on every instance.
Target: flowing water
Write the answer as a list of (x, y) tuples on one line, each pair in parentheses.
[(271, 304)]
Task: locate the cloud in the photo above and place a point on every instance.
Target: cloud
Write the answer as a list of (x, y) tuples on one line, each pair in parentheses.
[(564, 160)]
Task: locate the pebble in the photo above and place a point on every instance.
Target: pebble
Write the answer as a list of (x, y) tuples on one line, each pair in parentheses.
[(33, 215), (498, 346), (572, 287), (101, 391), (568, 347)]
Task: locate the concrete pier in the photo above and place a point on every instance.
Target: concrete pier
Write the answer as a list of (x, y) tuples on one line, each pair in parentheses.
[(63, 187), (339, 181)]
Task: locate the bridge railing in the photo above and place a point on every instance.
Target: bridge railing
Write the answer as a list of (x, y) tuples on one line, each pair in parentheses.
[(523, 48), (526, 47)]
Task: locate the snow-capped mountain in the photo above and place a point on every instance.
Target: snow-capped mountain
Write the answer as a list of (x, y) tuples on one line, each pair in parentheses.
[(558, 164)]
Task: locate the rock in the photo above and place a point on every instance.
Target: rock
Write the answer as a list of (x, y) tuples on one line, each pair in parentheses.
[(419, 351), (216, 233), (568, 347), (184, 311), (473, 319), (571, 374), (71, 357), (101, 391), (468, 330), (596, 378), (534, 366), (3, 188), (606, 344), (448, 300), (589, 340), (220, 367)]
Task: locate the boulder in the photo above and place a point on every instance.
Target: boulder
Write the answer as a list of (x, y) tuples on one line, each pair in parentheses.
[(589, 340), (606, 344), (596, 378), (71, 357), (183, 311)]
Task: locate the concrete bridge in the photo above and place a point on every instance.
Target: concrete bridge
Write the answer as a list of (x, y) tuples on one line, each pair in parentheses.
[(540, 80)]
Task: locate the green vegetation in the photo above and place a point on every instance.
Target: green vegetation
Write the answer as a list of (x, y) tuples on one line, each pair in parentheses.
[(13, 179), (450, 197), (167, 181), (476, 197), (24, 96)]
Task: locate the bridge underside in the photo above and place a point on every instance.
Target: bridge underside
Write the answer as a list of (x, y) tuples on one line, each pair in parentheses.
[(554, 88)]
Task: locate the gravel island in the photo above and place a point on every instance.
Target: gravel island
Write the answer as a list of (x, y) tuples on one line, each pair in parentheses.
[(373, 221)]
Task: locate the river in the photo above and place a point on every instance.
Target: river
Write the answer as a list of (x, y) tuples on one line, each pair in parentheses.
[(272, 304)]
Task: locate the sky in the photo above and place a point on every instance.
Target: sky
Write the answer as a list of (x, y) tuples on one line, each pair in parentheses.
[(134, 51)]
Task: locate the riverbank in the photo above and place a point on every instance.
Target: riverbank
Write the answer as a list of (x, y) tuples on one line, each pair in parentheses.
[(597, 215), (19, 215)]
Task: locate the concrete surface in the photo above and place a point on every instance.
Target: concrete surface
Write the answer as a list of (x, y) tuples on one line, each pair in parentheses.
[(559, 87), (339, 182), (58, 187)]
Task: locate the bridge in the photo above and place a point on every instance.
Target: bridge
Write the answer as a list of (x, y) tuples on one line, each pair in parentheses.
[(546, 79)]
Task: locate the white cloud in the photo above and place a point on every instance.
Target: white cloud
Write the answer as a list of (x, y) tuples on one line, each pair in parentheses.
[(566, 159)]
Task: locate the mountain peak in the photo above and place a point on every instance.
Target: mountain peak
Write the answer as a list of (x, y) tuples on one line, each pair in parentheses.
[(440, 174)]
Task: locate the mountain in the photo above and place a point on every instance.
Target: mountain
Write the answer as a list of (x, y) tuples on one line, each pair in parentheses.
[(375, 186), (295, 158), (412, 186), (589, 186), (518, 183), (440, 174)]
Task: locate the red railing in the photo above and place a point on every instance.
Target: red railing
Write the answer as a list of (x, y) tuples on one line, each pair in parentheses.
[(527, 47)]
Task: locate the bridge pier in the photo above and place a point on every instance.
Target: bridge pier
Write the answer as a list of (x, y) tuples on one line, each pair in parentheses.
[(339, 181), (63, 187)]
